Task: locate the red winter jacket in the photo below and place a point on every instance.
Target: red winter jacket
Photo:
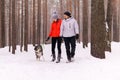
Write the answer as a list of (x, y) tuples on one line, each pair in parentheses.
[(55, 28)]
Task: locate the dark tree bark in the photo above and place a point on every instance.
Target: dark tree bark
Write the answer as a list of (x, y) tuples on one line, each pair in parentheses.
[(39, 22), (109, 22), (98, 29), (115, 25), (75, 9), (61, 8), (44, 20), (2, 32), (119, 19), (34, 26), (69, 5), (26, 27), (22, 26), (78, 2), (10, 24), (85, 23), (0, 25), (13, 28)]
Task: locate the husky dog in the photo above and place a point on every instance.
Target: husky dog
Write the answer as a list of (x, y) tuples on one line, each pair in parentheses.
[(38, 52)]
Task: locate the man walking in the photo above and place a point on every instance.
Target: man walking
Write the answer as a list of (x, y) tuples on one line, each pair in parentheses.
[(70, 32)]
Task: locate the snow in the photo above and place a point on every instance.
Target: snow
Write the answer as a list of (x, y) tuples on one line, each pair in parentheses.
[(23, 66)]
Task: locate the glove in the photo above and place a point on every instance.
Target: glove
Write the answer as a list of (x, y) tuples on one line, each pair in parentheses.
[(61, 39), (77, 36), (47, 39)]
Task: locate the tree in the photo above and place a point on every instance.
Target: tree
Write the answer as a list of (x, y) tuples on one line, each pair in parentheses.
[(44, 20), (22, 26), (10, 24), (109, 22), (2, 32), (85, 23), (69, 5), (98, 29), (115, 24), (34, 26), (39, 22), (26, 27), (13, 28)]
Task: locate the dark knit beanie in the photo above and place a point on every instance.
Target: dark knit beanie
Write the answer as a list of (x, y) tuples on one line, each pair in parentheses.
[(67, 13)]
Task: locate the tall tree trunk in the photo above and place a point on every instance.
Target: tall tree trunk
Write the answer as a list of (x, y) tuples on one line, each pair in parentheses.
[(98, 29), (34, 26), (10, 24), (39, 22), (61, 8), (109, 23), (44, 20), (13, 28), (115, 25), (119, 19), (78, 1), (22, 26), (2, 23), (75, 9), (26, 27), (69, 5), (85, 23)]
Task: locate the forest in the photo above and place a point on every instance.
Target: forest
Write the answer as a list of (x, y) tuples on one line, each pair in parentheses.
[(24, 22)]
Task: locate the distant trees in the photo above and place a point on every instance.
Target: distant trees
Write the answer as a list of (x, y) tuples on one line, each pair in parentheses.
[(24, 22)]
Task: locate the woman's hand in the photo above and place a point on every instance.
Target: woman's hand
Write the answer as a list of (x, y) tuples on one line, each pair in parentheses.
[(47, 39)]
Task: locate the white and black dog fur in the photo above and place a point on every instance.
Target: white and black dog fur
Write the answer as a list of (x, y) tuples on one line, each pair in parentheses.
[(38, 52)]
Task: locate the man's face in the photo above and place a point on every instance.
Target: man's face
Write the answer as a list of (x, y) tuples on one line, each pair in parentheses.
[(65, 16)]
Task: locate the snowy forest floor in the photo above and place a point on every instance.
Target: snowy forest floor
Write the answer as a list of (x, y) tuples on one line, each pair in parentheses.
[(23, 66)]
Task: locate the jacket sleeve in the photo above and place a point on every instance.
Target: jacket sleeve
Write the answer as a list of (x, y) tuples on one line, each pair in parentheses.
[(76, 27), (61, 29)]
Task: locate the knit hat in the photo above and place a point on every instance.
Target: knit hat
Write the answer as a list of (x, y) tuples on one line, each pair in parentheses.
[(67, 13), (55, 15)]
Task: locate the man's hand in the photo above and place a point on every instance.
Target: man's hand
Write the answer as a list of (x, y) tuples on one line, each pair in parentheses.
[(77, 36)]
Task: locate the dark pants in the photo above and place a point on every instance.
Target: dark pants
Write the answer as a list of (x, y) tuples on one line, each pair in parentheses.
[(57, 40), (70, 44)]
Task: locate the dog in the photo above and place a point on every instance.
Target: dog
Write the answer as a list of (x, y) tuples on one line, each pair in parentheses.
[(38, 52)]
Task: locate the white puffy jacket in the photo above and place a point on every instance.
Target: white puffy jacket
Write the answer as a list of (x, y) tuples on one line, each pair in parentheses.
[(69, 28)]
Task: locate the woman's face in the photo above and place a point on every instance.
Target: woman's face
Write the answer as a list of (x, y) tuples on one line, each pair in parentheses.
[(55, 20)]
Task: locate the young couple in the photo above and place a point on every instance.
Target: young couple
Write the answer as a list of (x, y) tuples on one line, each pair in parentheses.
[(66, 29)]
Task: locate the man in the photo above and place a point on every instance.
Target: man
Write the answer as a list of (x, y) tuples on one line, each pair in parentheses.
[(70, 32), (55, 35)]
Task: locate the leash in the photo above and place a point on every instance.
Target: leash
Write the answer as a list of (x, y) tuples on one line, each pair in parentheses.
[(43, 46)]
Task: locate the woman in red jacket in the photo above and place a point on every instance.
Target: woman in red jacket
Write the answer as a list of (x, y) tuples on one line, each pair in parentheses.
[(55, 35)]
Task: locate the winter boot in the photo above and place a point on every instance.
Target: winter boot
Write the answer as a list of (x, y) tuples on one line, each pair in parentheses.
[(53, 57), (58, 58)]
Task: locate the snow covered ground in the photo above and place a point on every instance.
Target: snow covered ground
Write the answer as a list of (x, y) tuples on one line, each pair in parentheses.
[(23, 66)]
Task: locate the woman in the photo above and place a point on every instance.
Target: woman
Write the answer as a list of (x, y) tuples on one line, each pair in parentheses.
[(55, 35)]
